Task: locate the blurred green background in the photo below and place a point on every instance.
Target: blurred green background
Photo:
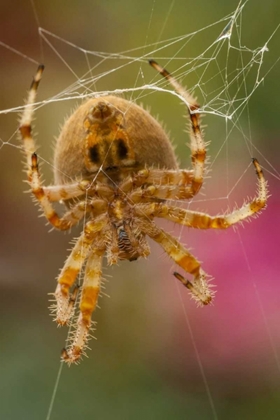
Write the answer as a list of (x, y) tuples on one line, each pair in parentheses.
[(144, 363)]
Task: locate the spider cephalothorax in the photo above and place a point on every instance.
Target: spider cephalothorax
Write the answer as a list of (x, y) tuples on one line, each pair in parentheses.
[(115, 169)]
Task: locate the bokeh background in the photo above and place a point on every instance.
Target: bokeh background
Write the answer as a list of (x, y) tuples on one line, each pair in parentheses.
[(151, 338)]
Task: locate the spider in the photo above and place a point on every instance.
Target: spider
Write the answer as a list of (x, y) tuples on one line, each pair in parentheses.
[(124, 174)]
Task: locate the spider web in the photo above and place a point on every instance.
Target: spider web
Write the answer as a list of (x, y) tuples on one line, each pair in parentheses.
[(154, 345)]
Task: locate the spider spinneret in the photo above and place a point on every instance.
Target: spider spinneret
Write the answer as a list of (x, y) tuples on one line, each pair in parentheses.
[(123, 173)]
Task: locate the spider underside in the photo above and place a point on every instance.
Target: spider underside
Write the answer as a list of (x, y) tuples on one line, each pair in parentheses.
[(125, 170)]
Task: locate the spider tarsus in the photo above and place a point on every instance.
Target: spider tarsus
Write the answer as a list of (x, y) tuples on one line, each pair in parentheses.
[(199, 292), (181, 278), (255, 162), (257, 166), (61, 323), (34, 161), (160, 69), (64, 356), (37, 77), (72, 355)]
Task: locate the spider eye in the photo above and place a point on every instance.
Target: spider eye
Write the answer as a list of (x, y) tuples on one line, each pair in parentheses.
[(122, 149), (101, 112)]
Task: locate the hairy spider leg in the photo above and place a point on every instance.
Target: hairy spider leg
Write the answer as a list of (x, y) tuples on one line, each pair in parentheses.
[(29, 147), (73, 266), (158, 177), (45, 195), (163, 192), (177, 252), (199, 287), (88, 302), (26, 120), (205, 221), (197, 145)]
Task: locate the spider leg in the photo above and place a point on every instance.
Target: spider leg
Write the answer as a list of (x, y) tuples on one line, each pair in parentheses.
[(197, 145), (26, 119), (163, 192), (112, 245), (45, 195), (72, 267), (153, 176), (205, 221), (88, 302), (199, 287), (94, 206), (32, 162), (51, 215), (66, 191), (76, 189)]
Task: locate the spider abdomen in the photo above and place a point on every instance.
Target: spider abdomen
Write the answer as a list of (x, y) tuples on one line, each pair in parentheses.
[(112, 134)]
